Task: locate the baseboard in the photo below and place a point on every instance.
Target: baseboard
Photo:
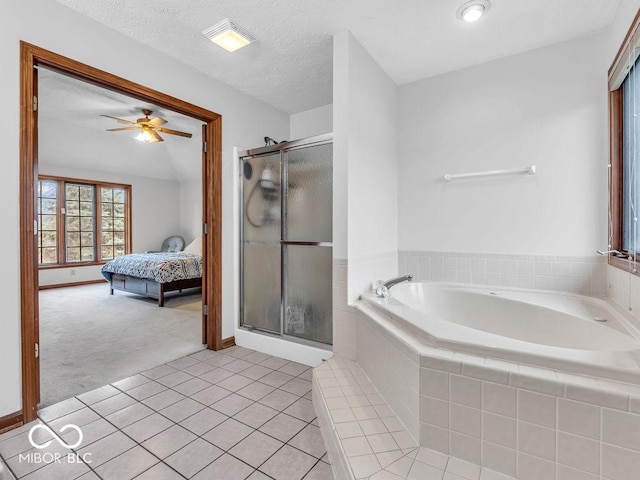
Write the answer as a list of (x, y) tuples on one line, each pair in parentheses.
[(72, 284), (228, 342), (11, 421)]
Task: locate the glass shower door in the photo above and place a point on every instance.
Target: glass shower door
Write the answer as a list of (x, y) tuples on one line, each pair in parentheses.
[(261, 233), (286, 240), (307, 237)]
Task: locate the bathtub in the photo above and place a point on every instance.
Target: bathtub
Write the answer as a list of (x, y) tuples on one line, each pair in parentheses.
[(560, 331)]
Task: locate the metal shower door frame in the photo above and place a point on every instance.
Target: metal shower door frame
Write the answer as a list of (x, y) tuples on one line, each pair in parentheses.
[(283, 148)]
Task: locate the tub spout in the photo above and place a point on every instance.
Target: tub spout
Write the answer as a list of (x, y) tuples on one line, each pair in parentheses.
[(382, 290)]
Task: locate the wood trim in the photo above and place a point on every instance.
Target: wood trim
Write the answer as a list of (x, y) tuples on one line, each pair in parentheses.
[(28, 241), (61, 231), (228, 342), (128, 221), (55, 266), (32, 56), (85, 181), (615, 170), (213, 241), (205, 209), (616, 159), (619, 55), (109, 81), (11, 421), (71, 284), (623, 264)]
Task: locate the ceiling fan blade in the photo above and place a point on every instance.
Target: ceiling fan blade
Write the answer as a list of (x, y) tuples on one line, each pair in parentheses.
[(121, 120), (157, 121), (119, 129), (174, 132), (157, 137)]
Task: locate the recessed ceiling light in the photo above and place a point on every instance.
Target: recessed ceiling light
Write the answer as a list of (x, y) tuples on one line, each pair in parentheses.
[(473, 10), (229, 35)]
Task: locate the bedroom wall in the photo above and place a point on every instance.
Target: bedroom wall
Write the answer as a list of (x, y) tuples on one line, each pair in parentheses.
[(52, 26), (155, 216), (190, 209)]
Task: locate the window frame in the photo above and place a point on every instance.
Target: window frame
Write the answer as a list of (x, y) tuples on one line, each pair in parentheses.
[(616, 75), (61, 220)]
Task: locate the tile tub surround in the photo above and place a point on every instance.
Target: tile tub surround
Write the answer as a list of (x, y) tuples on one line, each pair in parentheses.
[(586, 275), (352, 277), (232, 414), (366, 440), (344, 323), (519, 420)]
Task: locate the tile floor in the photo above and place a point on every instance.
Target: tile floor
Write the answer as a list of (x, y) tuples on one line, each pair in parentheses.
[(234, 414)]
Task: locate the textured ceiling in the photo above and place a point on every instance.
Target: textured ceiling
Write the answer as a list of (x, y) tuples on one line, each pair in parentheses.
[(290, 66), (72, 132)]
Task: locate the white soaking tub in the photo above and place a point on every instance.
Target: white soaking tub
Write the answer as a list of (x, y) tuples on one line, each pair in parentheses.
[(561, 331)]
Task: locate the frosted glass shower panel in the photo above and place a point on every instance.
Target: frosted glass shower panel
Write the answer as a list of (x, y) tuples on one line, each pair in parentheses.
[(261, 196), (309, 199), (308, 299), (262, 292)]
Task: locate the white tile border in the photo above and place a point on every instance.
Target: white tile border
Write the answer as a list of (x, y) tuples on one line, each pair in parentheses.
[(586, 275)]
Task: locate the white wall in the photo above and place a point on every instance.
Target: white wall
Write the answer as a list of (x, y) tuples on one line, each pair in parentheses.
[(546, 107), (155, 216), (365, 181), (311, 122), (373, 171), (190, 209), (57, 28)]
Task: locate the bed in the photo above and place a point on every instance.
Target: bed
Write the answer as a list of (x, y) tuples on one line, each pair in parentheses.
[(154, 274)]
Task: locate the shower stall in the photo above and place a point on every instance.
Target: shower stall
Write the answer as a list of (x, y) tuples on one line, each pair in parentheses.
[(286, 240)]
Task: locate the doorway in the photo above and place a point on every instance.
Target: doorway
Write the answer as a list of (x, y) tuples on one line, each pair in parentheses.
[(33, 57)]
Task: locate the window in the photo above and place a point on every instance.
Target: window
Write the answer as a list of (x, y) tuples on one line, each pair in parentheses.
[(624, 177), (82, 221)]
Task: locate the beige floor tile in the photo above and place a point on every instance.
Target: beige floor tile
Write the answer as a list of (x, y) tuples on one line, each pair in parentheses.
[(128, 465), (169, 441), (310, 441), (225, 468), (227, 434), (256, 448), (203, 421), (193, 457), (283, 427), (288, 464)]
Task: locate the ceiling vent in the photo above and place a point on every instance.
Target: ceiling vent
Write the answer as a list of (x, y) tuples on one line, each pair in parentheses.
[(229, 35)]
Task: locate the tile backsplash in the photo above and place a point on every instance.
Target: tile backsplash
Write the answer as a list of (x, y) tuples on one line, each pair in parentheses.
[(585, 275)]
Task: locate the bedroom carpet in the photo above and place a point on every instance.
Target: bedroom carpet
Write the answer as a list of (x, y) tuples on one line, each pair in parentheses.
[(89, 338)]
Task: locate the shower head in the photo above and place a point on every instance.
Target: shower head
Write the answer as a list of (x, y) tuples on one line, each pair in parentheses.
[(247, 170), (268, 140)]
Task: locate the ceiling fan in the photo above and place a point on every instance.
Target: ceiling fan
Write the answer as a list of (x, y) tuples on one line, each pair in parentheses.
[(149, 127)]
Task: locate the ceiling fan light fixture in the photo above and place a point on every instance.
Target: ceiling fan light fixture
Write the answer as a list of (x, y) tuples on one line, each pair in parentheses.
[(472, 11), (229, 35), (146, 136)]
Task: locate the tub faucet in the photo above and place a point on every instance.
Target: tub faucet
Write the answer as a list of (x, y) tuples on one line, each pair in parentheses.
[(382, 290)]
